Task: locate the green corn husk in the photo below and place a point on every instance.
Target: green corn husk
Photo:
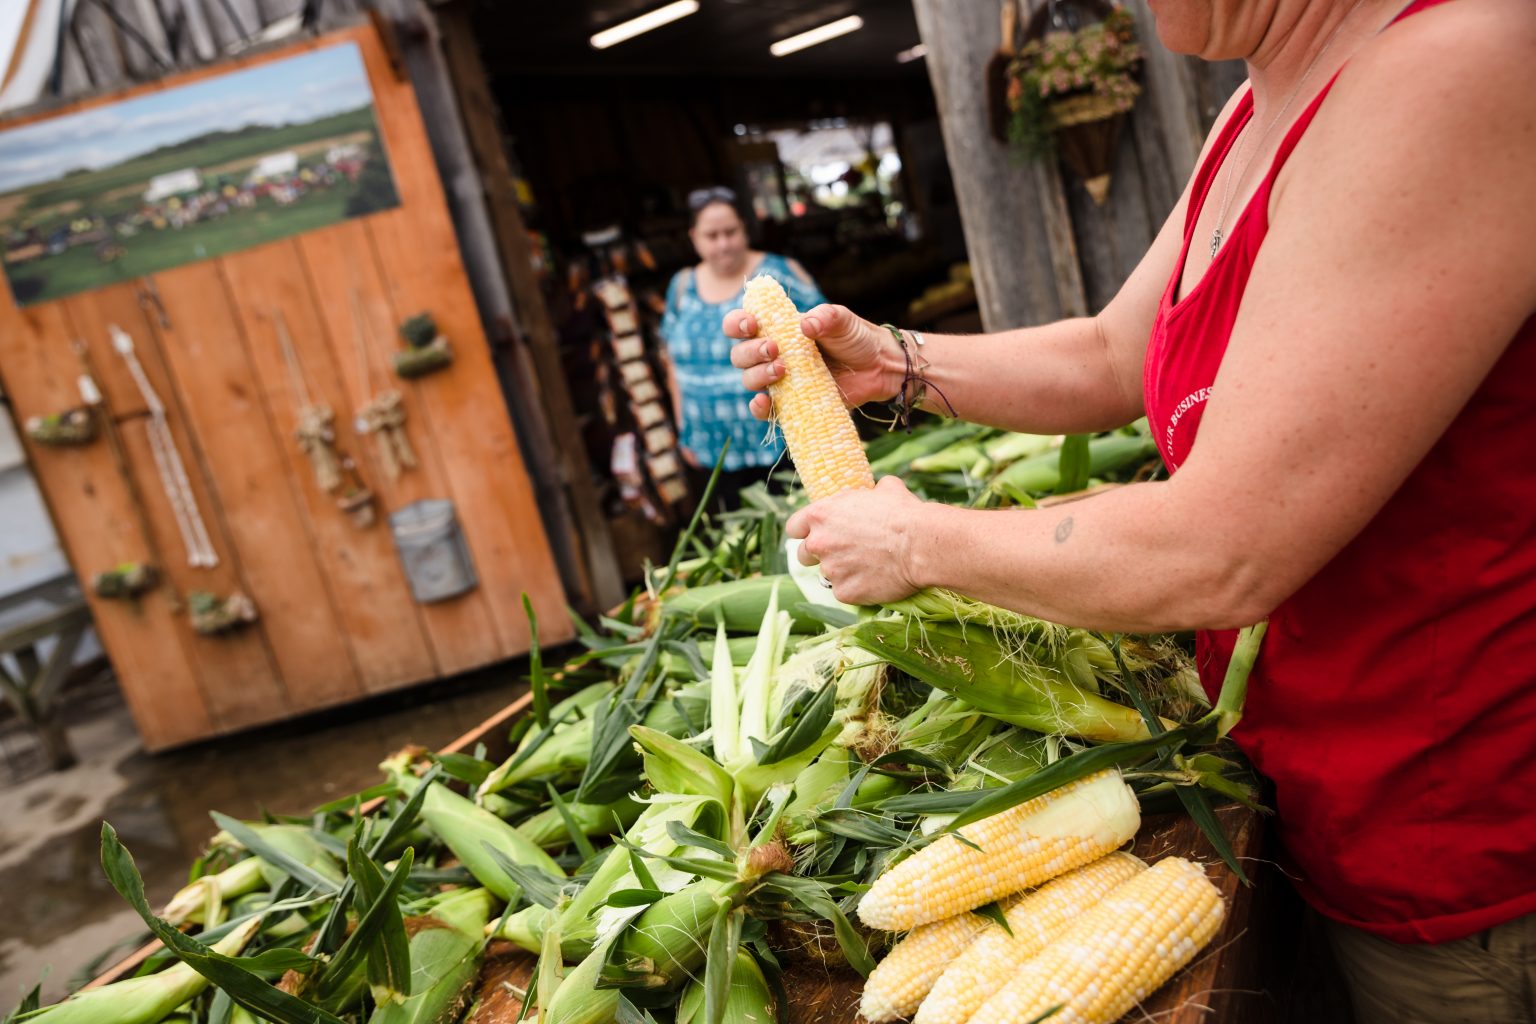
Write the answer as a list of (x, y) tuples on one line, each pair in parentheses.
[(578, 1000), (667, 941), (749, 1001), (572, 709), (145, 1000), (548, 829), (465, 829), (562, 758), (446, 946), (585, 921), (740, 604), (969, 662), (527, 927), (199, 901), (919, 444), (1040, 474), (1012, 447), (959, 457)]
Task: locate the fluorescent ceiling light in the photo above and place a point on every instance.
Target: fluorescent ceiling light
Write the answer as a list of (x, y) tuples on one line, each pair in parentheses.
[(831, 30), (917, 52), (637, 26)]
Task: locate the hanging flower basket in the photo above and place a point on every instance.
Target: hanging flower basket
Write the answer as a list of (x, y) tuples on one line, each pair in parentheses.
[(1070, 88)]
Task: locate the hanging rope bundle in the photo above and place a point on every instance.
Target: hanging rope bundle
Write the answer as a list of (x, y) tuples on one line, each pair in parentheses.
[(384, 414), (317, 423), (173, 474)]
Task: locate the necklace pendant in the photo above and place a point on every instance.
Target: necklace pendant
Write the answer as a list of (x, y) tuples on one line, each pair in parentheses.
[(1215, 242)]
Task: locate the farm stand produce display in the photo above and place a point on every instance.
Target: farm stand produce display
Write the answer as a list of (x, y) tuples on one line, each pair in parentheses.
[(739, 781)]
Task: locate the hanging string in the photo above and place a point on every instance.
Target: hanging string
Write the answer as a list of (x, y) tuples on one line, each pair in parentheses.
[(173, 474)]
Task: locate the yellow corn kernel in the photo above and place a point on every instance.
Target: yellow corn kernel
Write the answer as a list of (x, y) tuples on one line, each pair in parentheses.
[(988, 963), (807, 403), (1006, 853), (1117, 954), (900, 981)]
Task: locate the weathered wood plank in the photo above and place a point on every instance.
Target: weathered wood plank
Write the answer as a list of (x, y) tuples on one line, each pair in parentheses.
[(339, 263), (90, 505), (998, 195), (246, 460), (357, 567), (419, 258), (228, 666), (542, 383)]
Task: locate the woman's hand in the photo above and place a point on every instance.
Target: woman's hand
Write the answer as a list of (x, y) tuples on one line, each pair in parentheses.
[(863, 541), (864, 358)]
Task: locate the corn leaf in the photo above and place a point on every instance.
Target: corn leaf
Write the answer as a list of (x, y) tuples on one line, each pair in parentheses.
[(719, 960), (463, 767), (232, 974), (29, 1002), (538, 886), (672, 766), (536, 680), (379, 922), (296, 869), (634, 897), (379, 915), (686, 536), (572, 826), (812, 897), (718, 870), (994, 912), (806, 730), (606, 778), (682, 835)]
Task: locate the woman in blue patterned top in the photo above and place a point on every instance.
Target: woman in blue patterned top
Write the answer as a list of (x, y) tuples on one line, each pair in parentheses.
[(706, 390)]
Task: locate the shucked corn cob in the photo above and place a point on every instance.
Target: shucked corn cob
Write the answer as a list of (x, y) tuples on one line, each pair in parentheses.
[(909, 970), (820, 434), (987, 964), (1006, 853), (1118, 953)]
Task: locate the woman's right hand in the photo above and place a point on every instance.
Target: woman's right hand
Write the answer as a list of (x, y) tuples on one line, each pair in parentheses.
[(864, 358)]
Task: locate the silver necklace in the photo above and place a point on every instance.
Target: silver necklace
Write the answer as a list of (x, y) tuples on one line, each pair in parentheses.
[(1233, 177)]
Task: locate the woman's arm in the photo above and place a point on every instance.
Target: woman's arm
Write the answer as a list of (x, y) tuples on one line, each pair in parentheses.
[(1396, 269)]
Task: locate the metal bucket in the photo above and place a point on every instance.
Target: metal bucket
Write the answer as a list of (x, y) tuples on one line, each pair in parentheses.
[(432, 550)]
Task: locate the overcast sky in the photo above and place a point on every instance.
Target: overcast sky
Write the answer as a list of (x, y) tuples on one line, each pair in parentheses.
[(302, 88)]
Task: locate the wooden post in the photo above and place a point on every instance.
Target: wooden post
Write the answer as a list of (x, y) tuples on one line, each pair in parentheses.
[(584, 552), (1017, 228)]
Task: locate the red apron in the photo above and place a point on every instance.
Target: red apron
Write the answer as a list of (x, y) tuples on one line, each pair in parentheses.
[(1393, 704)]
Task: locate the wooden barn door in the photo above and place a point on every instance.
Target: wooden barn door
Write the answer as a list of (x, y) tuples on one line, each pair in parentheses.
[(337, 619)]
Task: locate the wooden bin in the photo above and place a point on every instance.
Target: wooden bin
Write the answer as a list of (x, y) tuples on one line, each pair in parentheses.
[(1233, 980)]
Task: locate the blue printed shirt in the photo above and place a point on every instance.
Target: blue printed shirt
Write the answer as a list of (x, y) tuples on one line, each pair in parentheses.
[(714, 402)]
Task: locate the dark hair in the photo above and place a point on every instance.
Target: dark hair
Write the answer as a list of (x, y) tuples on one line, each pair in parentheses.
[(701, 199)]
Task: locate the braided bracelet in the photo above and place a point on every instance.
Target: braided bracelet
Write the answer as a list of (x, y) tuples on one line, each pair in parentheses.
[(914, 386)]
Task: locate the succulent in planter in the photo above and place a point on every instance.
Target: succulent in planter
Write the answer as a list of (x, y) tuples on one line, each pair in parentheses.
[(1068, 91), (428, 349), (63, 429), (419, 331)]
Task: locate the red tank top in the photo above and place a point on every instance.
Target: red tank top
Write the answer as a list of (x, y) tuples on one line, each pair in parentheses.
[(1393, 704)]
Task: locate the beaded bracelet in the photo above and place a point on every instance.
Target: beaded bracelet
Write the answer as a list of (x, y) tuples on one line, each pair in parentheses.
[(914, 386)]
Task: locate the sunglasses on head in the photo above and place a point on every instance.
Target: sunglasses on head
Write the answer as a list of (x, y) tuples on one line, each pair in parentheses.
[(702, 197)]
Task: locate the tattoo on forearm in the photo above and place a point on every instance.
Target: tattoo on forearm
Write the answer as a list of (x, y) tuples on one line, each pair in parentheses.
[(1063, 530)]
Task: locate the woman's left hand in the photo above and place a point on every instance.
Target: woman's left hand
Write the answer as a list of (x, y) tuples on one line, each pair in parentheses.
[(863, 541)]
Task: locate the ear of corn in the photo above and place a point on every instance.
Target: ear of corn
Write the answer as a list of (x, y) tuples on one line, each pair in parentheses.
[(739, 604), (1006, 853), (548, 829), (903, 978), (465, 829), (971, 663), (1035, 919), (822, 439), (445, 959), (1117, 954), (143, 1000)]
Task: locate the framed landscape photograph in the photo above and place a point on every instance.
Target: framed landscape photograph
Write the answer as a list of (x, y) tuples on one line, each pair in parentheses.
[(188, 173)]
